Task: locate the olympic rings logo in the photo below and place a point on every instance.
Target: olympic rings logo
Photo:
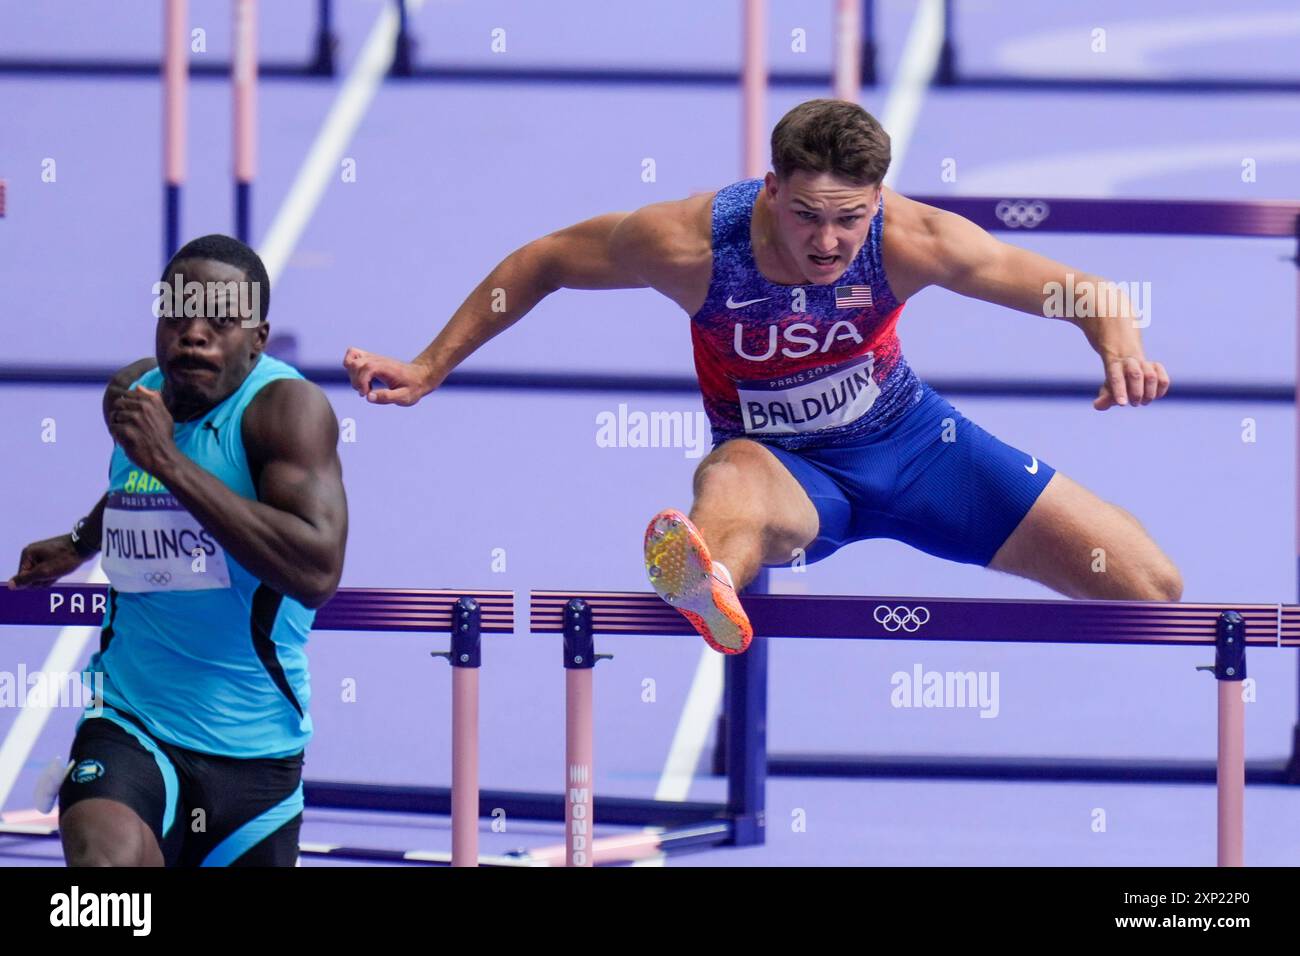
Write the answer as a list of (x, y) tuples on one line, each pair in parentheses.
[(901, 618), (158, 577), (1019, 212)]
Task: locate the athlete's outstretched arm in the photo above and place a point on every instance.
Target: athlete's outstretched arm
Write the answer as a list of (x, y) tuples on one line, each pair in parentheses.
[(44, 562), (594, 254), (966, 259), (292, 536)]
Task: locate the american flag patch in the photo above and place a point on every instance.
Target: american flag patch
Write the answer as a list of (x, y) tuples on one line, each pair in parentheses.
[(852, 296)]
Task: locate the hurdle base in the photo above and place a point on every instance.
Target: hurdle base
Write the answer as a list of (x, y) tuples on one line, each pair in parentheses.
[(1293, 764), (32, 66), (322, 61), (473, 73), (1059, 769), (520, 804), (947, 76)]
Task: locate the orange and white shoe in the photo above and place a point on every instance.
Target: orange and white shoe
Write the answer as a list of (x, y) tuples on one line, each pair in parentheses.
[(682, 573)]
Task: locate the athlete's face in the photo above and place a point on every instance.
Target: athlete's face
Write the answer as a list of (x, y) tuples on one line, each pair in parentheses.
[(208, 345), (821, 221)]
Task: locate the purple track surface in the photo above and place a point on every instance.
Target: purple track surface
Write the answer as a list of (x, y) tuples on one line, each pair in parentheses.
[(453, 176)]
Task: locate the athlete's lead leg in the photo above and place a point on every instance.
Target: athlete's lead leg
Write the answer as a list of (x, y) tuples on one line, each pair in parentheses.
[(748, 511)]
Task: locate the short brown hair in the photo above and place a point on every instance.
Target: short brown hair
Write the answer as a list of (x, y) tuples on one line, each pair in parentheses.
[(831, 136)]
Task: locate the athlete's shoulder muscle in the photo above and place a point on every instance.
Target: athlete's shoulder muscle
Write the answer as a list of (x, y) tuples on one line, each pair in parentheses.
[(290, 419), (923, 245), (669, 245)]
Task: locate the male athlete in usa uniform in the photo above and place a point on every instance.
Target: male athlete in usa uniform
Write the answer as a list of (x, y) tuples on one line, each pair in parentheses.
[(823, 434), (222, 529)]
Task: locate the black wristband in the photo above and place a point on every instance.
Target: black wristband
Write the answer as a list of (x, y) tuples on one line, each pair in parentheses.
[(83, 545)]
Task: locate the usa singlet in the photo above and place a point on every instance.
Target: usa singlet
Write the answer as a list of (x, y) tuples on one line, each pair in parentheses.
[(202, 653), (797, 366)]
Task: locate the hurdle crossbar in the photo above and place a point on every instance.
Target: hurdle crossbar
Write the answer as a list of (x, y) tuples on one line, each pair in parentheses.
[(947, 73), (351, 609), (1230, 629), (464, 614), (320, 63), (855, 51)]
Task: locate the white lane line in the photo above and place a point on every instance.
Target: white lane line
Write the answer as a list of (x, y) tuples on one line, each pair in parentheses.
[(910, 82), (321, 165), (693, 727), (65, 657)]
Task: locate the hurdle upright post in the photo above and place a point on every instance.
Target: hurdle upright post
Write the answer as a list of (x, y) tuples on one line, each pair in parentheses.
[(868, 43), (1293, 765), (753, 88), (243, 77), (465, 658), (745, 706), (467, 619), (945, 73), (848, 52), (579, 659), (175, 77), (403, 52), (323, 61), (1229, 672)]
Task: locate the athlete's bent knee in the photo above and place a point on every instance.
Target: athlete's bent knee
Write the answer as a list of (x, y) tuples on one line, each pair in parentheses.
[(118, 846), (725, 475)]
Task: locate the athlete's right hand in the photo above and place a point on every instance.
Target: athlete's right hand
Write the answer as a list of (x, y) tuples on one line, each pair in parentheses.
[(406, 382), (44, 562)]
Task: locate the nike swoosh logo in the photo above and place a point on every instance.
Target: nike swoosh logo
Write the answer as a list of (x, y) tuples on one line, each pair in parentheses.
[(741, 305), (1034, 469)]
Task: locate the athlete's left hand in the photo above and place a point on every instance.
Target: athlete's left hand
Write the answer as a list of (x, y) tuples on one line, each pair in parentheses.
[(1130, 380), (141, 424)]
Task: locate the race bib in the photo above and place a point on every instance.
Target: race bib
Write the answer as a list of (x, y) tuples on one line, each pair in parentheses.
[(151, 543), (809, 401)]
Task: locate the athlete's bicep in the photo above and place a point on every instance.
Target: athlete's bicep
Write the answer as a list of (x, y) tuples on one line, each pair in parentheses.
[(973, 263), (585, 256), (291, 436)]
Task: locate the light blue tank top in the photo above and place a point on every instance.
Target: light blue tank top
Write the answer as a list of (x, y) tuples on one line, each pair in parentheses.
[(204, 654)]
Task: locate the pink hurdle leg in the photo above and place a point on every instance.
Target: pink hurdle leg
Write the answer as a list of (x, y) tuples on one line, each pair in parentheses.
[(848, 50), (1232, 773), (465, 658), (464, 766), (243, 75), (754, 89), (577, 761), (175, 75)]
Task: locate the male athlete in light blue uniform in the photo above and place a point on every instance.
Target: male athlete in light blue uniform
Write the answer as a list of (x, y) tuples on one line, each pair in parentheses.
[(223, 527)]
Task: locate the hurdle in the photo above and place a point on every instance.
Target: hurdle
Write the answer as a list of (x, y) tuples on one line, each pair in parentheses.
[(852, 33), (947, 74), (464, 614), (243, 84), (320, 62), (1229, 629)]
